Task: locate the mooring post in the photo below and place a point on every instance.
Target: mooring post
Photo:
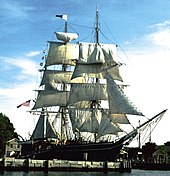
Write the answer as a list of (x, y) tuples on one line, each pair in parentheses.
[(121, 166), (105, 167), (26, 165), (2, 165), (46, 166)]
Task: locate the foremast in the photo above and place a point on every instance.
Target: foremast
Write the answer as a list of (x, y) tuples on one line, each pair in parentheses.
[(63, 108), (56, 79)]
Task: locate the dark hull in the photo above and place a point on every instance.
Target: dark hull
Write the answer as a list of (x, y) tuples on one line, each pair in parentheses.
[(78, 152)]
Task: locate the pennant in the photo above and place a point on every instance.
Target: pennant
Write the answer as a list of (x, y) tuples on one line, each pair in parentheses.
[(27, 103), (64, 17), (41, 64)]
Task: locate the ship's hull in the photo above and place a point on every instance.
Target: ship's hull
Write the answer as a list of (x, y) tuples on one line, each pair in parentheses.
[(79, 152)]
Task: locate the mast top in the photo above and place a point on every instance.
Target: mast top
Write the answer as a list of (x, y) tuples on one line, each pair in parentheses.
[(64, 17), (97, 26)]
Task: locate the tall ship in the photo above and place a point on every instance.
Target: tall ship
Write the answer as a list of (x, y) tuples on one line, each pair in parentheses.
[(81, 102)]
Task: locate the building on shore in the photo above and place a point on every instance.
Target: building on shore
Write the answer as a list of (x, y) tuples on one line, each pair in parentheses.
[(13, 148)]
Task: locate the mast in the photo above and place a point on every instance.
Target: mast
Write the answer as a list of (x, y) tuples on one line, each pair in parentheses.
[(139, 145), (65, 28), (150, 134), (95, 103), (97, 27), (64, 67)]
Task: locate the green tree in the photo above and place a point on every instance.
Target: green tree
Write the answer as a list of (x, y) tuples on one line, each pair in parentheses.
[(7, 132)]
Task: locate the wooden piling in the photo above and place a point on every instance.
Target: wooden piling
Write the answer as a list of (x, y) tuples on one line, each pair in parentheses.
[(46, 166), (2, 161), (121, 166), (105, 167), (26, 165)]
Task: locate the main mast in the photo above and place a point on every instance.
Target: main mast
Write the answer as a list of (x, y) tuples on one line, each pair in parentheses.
[(95, 103), (97, 27), (63, 109)]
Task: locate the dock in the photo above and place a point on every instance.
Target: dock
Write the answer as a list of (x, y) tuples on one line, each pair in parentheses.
[(26, 165)]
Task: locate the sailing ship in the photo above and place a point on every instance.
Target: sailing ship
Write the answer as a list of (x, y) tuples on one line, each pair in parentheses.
[(82, 88)]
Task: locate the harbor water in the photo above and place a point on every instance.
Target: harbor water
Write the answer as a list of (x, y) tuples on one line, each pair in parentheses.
[(133, 173)]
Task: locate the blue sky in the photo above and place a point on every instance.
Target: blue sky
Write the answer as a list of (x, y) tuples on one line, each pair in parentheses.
[(141, 28)]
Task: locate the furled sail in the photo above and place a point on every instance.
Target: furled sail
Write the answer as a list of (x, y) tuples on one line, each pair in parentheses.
[(66, 37)]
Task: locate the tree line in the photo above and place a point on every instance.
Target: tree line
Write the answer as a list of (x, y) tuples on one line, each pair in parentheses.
[(7, 132)]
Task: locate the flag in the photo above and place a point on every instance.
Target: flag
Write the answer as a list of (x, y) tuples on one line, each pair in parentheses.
[(27, 103), (64, 17)]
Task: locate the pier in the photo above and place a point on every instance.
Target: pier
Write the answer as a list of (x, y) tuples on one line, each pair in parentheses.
[(26, 165)]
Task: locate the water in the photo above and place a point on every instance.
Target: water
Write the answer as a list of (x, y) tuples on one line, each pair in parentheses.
[(133, 173)]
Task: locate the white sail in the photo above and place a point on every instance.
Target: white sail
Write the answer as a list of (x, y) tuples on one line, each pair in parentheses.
[(54, 77), (96, 59), (78, 117), (83, 104), (118, 102), (50, 131), (119, 118), (51, 98), (107, 127), (91, 122), (43, 131), (60, 53), (38, 132), (87, 92), (93, 53), (57, 123), (96, 71)]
